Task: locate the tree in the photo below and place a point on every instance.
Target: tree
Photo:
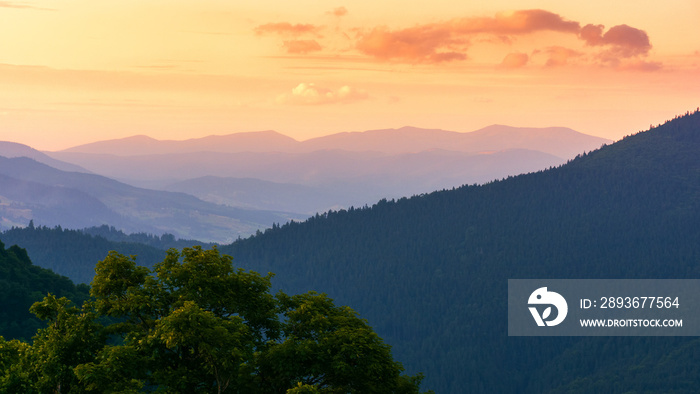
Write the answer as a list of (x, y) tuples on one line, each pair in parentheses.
[(195, 324), (329, 348), (72, 337)]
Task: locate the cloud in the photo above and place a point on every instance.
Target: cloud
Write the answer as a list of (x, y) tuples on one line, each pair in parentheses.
[(286, 29), (296, 46), (515, 60), (560, 56), (623, 40), (516, 22), (639, 65), (12, 4), (451, 40), (448, 41), (9, 4), (421, 44), (339, 11), (302, 46), (310, 94)]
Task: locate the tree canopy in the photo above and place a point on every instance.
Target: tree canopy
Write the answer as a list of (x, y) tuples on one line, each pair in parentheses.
[(196, 324)]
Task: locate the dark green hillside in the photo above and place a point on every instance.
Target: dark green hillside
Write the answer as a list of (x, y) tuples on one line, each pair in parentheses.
[(22, 284), (430, 272), (162, 242), (74, 253)]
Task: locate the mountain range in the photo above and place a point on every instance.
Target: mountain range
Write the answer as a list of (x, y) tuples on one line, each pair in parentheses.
[(218, 188), (339, 170), (558, 141), (49, 196), (13, 149)]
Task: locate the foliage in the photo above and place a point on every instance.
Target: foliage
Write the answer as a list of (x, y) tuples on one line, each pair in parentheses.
[(195, 324)]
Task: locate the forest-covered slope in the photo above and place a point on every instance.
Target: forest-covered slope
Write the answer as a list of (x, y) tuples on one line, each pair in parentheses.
[(22, 284), (430, 272), (74, 253)]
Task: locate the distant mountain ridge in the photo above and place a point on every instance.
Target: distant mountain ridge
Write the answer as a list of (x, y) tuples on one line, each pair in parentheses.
[(347, 178), (13, 149), (259, 141), (262, 171), (32, 190), (338, 170), (558, 141)]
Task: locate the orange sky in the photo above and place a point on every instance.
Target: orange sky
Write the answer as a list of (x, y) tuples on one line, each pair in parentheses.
[(78, 71)]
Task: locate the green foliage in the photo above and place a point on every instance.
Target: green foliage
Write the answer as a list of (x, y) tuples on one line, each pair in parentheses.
[(194, 324), (71, 338), (329, 348)]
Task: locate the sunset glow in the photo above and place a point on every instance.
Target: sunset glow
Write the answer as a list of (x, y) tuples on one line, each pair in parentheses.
[(73, 72)]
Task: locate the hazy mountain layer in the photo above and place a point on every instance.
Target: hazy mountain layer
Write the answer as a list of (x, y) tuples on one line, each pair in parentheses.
[(13, 149), (339, 170), (557, 141), (261, 141), (319, 180), (32, 190)]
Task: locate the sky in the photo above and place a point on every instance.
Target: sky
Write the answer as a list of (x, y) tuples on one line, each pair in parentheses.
[(79, 71)]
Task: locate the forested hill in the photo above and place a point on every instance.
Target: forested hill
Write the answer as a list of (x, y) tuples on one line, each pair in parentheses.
[(21, 285), (74, 253), (430, 272)]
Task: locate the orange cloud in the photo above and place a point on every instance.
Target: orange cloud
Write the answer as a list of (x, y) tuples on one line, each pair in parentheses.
[(285, 28), (515, 60), (559, 56), (448, 41), (517, 22), (11, 4), (310, 94), (421, 44), (451, 40), (339, 11), (302, 46), (639, 65), (625, 41)]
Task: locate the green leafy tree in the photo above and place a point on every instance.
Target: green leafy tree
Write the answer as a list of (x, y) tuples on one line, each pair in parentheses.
[(328, 348), (72, 337), (195, 324)]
